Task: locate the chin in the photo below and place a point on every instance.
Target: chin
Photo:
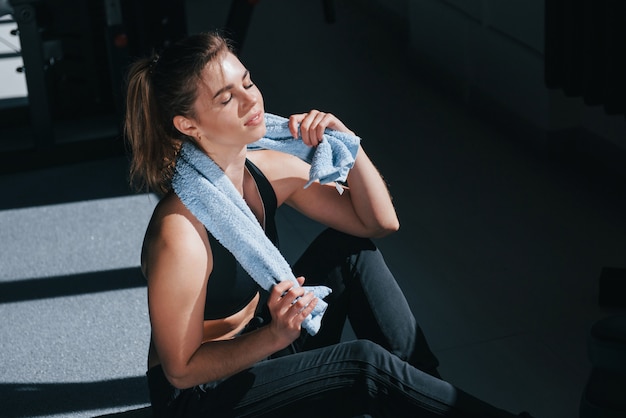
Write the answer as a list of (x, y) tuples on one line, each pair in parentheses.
[(260, 130)]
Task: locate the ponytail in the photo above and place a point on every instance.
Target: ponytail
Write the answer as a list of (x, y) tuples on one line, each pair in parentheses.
[(152, 150), (160, 88)]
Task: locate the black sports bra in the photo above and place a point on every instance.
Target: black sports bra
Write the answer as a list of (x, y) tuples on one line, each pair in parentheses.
[(230, 288)]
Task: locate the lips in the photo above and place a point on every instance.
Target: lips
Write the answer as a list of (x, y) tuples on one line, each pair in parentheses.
[(255, 120)]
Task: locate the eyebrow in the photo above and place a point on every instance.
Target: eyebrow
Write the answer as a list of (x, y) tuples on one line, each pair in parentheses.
[(230, 86)]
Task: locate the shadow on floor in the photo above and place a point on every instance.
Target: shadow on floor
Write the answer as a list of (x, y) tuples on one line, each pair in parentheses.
[(37, 399), (71, 285), (145, 412)]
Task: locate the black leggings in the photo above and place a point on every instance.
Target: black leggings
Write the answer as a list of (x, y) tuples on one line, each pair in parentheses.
[(388, 371)]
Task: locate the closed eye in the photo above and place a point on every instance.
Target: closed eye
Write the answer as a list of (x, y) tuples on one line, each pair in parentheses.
[(229, 87), (250, 83)]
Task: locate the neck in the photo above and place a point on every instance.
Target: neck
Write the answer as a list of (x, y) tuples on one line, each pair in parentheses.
[(232, 161)]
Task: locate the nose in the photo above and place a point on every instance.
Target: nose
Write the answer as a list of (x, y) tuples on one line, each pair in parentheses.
[(250, 99)]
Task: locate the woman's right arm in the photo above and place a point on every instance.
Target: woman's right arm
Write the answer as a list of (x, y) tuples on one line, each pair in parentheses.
[(177, 262)]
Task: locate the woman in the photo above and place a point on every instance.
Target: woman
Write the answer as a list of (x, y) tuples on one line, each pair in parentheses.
[(220, 345)]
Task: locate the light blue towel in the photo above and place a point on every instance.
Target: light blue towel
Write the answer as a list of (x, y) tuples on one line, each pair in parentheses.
[(330, 161), (212, 198)]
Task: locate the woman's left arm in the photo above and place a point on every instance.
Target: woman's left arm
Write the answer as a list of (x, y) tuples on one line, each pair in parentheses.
[(370, 197), (365, 208)]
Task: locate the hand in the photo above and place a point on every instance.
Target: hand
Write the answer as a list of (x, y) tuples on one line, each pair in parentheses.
[(289, 306), (313, 124)]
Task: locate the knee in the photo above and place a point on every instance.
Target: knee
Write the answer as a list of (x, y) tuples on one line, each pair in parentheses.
[(370, 366), (366, 353)]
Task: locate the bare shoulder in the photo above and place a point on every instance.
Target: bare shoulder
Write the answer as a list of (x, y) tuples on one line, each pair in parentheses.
[(275, 162), (173, 230), (171, 217), (285, 172)]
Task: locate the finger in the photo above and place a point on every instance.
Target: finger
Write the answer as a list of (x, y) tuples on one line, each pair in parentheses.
[(291, 295), (301, 303), (294, 295), (313, 126), (305, 127), (309, 302), (300, 280), (304, 131), (332, 122), (319, 124), (282, 305), (282, 286), (294, 121), (280, 290)]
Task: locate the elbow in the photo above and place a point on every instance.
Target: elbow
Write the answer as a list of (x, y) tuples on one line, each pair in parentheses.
[(390, 229), (386, 223), (177, 384), (178, 377), (186, 375), (385, 228), (178, 381), (394, 226)]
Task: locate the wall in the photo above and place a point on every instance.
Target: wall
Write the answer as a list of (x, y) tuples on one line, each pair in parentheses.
[(485, 51), (493, 51), (397, 8)]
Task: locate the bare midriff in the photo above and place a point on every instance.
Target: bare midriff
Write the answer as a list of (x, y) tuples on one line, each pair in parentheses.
[(217, 329)]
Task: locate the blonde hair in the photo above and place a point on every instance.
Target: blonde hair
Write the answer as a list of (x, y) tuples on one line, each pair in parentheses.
[(159, 88)]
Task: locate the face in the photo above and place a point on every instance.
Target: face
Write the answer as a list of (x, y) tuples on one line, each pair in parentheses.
[(229, 108)]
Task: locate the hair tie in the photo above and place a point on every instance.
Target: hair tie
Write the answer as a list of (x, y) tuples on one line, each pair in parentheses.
[(154, 62)]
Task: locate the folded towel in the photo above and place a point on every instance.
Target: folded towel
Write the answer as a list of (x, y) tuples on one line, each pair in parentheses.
[(211, 197), (330, 161)]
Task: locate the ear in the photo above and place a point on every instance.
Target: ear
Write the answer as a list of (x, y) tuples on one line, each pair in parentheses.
[(184, 125)]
